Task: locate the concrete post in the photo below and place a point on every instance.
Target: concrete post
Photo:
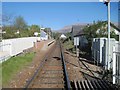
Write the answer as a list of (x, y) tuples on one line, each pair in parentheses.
[(114, 65), (108, 35), (119, 37)]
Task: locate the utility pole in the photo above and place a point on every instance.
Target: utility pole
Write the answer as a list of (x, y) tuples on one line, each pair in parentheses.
[(107, 2), (109, 60)]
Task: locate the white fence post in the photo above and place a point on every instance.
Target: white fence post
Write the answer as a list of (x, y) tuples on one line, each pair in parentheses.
[(114, 65)]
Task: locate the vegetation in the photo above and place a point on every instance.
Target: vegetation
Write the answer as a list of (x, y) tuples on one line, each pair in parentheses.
[(96, 30), (18, 28), (20, 23), (49, 32), (56, 35), (13, 65), (68, 45), (34, 28)]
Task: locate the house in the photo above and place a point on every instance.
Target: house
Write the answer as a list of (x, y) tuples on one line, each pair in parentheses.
[(76, 29), (48, 32), (43, 35), (113, 29), (0, 33), (78, 36), (63, 36), (81, 39), (116, 30)]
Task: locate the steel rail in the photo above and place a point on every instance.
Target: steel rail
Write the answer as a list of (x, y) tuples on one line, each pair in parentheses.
[(37, 70), (64, 68), (67, 82)]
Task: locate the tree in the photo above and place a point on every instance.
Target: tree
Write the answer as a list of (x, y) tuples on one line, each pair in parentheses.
[(20, 23), (48, 31), (7, 19), (34, 28), (96, 30), (11, 27), (56, 35), (9, 32)]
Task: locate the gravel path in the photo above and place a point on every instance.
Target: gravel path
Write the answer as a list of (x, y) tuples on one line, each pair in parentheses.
[(79, 69)]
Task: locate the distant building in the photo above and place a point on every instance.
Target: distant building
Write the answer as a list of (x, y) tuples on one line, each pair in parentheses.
[(0, 33), (76, 29), (47, 31), (43, 35), (63, 36), (78, 35)]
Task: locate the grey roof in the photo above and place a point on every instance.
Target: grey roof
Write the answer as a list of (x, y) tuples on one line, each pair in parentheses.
[(114, 26), (77, 29)]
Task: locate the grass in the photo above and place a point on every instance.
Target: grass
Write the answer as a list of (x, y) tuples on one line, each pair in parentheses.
[(14, 65)]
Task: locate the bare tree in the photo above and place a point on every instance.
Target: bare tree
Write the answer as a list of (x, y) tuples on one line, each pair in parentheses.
[(7, 19)]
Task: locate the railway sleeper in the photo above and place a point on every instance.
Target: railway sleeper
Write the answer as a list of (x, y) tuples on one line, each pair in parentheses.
[(48, 86), (52, 68), (55, 65), (51, 75), (52, 72), (53, 81), (91, 85)]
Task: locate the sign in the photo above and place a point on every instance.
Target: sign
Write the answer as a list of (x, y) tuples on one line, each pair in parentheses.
[(76, 40)]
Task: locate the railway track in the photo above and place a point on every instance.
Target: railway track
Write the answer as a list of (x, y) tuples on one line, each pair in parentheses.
[(91, 82), (52, 71)]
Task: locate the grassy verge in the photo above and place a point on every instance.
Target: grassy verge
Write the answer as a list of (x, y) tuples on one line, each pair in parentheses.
[(13, 65)]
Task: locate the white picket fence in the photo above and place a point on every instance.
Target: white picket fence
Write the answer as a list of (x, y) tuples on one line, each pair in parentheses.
[(100, 54), (12, 47), (116, 63)]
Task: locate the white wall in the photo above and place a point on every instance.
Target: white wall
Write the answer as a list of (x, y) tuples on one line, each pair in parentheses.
[(17, 45), (20, 44), (116, 63), (102, 47), (100, 51), (44, 38)]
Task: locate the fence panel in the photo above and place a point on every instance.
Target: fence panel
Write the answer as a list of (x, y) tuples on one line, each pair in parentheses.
[(116, 63), (12, 47)]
